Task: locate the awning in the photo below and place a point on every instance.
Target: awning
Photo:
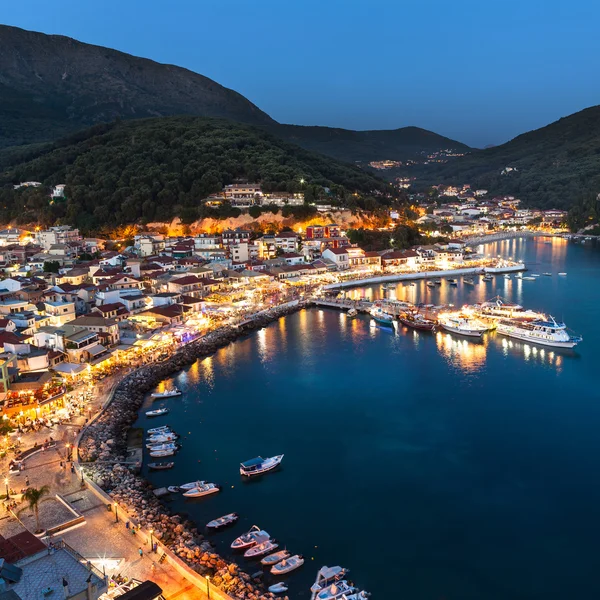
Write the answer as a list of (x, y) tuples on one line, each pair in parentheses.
[(96, 349), (101, 358), (69, 368)]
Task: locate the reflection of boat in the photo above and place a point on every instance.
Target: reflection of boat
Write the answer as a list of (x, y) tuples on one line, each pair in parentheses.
[(259, 465), (325, 577), (251, 537), (203, 490), (157, 413), (381, 317), (274, 558), (287, 565), (261, 549), (352, 313), (461, 326), (278, 588), (166, 393), (544, 332), (223, 521), (416, 321), (160, 466)]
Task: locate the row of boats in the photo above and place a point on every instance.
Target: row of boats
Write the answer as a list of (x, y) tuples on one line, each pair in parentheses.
[(162, 442), (497, 314)]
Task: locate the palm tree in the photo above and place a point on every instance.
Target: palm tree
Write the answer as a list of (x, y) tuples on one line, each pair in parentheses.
[(33, 497)]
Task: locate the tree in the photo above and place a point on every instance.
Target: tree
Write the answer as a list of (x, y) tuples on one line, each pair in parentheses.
[(51, 266), (33, 496)]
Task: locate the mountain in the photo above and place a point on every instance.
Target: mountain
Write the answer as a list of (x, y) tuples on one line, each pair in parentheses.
[(365, 146), (550, 167), (51, 85), (154, 169)]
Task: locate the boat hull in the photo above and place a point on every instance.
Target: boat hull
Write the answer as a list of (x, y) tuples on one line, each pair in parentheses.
[(539, 342), (466, 333), (417, 325)]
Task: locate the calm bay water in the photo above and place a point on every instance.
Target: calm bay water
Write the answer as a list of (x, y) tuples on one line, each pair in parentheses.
[(431, 466)]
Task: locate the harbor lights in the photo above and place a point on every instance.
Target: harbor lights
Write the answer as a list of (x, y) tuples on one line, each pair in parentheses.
[(208, 586), (116, 513)]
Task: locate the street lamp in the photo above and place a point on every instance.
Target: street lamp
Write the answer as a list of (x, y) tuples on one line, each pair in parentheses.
[(6, 483), (116, 513), (208, 586), (151, 544)]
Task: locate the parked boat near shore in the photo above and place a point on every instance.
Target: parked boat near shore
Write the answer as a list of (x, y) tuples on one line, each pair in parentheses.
[(275, 558), (223, 521), (261, 549), (462, 326), (167, 393), (381, 317), (417, 321), (253, 536), (202, 490), (155, 466), (157, 413), (288, 565), (325, 577), (546, 332), (259, 465)]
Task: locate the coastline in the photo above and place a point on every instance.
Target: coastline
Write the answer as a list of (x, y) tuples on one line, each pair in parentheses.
[(505, 235), (102, 446)]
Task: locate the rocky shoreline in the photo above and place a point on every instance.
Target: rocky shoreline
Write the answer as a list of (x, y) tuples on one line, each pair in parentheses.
[(105, 441)]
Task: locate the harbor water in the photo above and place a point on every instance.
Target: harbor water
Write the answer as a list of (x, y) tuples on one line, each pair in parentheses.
[(432, 466)]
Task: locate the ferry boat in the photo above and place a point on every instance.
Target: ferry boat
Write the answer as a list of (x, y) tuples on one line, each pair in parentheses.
[(253, 536), (274, 558), (544, 332), (287, 565), (261, 549), (157, 413), (498, 308), (381, 317), (462, 326), (167, 393), (203, 490), (223, 521), (260, 465), (417, 321)]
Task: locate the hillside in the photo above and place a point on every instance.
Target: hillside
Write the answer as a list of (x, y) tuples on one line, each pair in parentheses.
[(154, 169), (555, 165), (365, 146), (51, 85)]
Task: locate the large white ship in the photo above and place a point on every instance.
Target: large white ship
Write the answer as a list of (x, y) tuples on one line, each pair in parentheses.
[(545, 332), (498, 308)]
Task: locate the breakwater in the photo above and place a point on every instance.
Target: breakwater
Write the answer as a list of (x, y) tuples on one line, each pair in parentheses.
[(104, 441)]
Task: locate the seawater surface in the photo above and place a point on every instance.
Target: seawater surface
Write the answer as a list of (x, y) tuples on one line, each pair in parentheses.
[(431, 466)]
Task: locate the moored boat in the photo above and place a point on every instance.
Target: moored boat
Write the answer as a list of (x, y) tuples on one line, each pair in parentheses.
[(157, 413), (506, 276), (462, 326), (173, 489), (191, 485), (325, 577), (287, 565), (155, 430), (261, 549), (278, 588), (259, 465), (417, 321), (430, 284), (468, 281), (161, 453), (547, 274), (155, 466), (274, 558), (202, 490), (337, 590), (169, 446), (352, 313), (223, 521), (159, 439), (437, 281), (487, 278), (381, 317), (562, 274), (546, 332), (253, 536), (453, 282), (167, 393)]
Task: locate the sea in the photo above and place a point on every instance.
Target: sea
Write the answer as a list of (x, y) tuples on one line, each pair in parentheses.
[(432, 466)]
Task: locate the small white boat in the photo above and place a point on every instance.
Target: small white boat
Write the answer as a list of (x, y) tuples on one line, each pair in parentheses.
[(261, 549), (157, 413), (159, 447), (192, 485), (547, 274), (253, 536), (222, 521), (487, 278), (203, 490), (274, 558), (259, 465), (462, 326), (161, 453), (452, 282), (162, 429), (506, 276), (532, 278), (468, 281), (173, 489), (562, 274), (325, 577), (278, 588), (336, 590), (352, 313), (430, 284), (159, 439), (167, 393), (288, 564), (535, 274)]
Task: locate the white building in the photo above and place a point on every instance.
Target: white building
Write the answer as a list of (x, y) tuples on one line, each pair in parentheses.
[(339, 256), (61, 234)]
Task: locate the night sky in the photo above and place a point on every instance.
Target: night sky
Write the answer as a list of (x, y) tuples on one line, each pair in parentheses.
[(477, 71)]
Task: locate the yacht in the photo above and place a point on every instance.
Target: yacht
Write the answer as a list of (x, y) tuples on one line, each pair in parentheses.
[(167, 393), (261, 549), (254, 535), (157, 413), (259, 465), (381, 317), (288, 564), (202, 490), (497, 308), (325, 577), (462, 326), (546, 332), (223, 521), (273, 559)]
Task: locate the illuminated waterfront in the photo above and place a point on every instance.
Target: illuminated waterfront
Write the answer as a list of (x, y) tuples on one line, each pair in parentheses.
[(470, 465)]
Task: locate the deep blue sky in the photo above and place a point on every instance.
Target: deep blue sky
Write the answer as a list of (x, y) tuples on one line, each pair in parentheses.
[(480, 71)]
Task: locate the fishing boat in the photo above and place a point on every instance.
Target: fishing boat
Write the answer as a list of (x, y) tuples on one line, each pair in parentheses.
[(223, 521), (469, 281), (452, 282), (352, 313), (161, 453), (462, 326), (192, 485), (416, 321), (155, 466), (259, 465), (158, 430), (274, 558), (202, 490), (157, 413), (325, 577), (547, 332), (173, 489), (167, 393), (381, 317), (253, 536), (261, 549), (278, 588), (288, 564), (159, 439)]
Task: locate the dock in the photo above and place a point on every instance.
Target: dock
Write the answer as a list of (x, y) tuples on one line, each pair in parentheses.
[(344, 304)]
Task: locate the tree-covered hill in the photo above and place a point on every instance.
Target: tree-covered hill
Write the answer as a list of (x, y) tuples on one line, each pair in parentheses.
[(554, 166), (154, 169)]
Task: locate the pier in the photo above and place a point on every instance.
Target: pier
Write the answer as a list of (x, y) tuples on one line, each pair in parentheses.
[(343, 304)]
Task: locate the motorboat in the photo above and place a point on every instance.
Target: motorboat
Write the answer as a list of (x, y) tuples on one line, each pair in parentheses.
[(462, 326), (352, 313), (160, 439), (253, 536), (547, 274), (274, 558), (507, 276), (173, 489), (529, 278), (469, 281), (223, 521), (336, 591), (487, 278), (191, 485), (161, 453), (325, 577), (562, 274), (164, 428), (157, 413), (362, 595), (261, 549), (167, 393), (259, 465), (535, 274), (430, 284), (381, 317), (202, 490), (452, 282), (545, 332), (278, 588), (170, 446), (160, 466), (417, 321), (287, 565), (437, 281)]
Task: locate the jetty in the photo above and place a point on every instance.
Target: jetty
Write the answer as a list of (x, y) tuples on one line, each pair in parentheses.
[(344, 304)]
